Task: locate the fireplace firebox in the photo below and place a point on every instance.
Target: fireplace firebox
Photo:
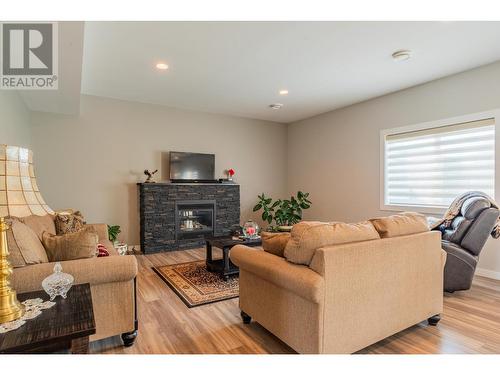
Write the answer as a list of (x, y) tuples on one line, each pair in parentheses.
[(194, 218)]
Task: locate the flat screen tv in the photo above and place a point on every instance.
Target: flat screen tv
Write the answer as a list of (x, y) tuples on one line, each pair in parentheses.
[(191, 167)]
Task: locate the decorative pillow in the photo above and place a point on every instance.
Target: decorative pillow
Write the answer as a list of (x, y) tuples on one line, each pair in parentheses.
[(275, 243), (79, 245), (15, 258), (308, 236), (102, 251), (401, 224), (67, 222), (39, 224), (24, 246)]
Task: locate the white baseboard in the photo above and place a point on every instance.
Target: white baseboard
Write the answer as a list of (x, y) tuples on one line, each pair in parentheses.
[(488, 273)]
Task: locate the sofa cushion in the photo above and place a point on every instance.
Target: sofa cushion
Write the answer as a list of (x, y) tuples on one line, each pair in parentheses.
[(71, 246), (401, 224), (275, 243), (24, 246), (308, 236), (68, 222), (40, 224)]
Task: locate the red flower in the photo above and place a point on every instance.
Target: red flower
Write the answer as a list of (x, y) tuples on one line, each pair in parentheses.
[(230, 172)]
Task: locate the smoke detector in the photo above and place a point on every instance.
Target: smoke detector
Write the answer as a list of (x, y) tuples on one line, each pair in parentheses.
[(276, 106), (402, 55)]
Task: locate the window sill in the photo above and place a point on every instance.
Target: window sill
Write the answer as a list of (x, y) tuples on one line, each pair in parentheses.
[(421, 209)]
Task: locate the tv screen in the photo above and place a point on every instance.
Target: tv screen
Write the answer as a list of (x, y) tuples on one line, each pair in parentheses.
[(190, 166)]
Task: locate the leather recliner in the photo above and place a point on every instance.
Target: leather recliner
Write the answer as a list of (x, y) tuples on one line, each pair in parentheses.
[(463, 241)]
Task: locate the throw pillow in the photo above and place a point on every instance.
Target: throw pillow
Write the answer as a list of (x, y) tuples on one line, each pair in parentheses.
[(275, 243), (15, 258), (308, 236), (102, 251), (24, 246), (67, 222), (71, 246), (39, 224), (402, 224)]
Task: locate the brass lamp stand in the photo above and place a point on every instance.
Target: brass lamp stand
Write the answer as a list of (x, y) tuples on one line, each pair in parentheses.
[(10, 308)]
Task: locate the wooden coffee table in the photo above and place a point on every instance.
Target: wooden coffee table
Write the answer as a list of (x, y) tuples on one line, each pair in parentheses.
[(224, 266), (65, 326)]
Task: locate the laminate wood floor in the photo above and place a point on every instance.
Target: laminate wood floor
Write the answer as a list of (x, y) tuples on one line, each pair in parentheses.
[(470, 322)]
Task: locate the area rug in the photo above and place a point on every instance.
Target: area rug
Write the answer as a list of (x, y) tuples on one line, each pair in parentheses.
[(195, 285)]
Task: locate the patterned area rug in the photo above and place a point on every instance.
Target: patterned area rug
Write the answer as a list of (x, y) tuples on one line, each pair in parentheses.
[(195, 285)]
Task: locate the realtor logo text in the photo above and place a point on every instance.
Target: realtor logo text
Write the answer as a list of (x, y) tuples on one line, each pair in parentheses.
[(29, 56)]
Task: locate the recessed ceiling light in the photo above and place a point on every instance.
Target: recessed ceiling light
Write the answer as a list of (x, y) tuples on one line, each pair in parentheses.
[(401, 55), (162, 66), (283, 92), (276, 106)]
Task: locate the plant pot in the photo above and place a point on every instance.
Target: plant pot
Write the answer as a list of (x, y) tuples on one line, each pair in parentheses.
[(285, 228), (121, 248)]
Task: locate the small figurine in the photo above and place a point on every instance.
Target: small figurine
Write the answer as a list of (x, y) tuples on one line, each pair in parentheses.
[(150, 176)]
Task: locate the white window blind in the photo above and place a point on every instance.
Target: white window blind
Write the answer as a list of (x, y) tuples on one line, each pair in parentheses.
[(431, 167)]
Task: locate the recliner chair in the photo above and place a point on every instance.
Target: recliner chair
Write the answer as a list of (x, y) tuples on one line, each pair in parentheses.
[(463, 241)]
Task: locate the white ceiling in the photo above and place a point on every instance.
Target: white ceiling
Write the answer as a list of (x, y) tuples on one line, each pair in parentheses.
[(237, 68)]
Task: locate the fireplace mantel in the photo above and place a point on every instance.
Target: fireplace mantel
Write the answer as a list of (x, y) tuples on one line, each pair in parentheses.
[(158, 202)]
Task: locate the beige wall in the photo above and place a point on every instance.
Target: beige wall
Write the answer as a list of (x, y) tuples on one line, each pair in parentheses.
[(14, 120), (335, 156), (93, 161)]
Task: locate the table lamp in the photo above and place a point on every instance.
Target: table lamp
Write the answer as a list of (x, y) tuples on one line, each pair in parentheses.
[(19, 197)]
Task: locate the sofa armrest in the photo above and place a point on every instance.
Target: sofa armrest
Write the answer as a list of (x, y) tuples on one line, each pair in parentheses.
[(297, 279), (91, 270)]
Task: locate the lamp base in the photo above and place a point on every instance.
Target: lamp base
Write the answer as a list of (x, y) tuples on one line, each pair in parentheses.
[(10, 308)]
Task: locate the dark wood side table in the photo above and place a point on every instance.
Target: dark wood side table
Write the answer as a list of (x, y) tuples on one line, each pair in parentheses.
[(224, 266), (65, 326)]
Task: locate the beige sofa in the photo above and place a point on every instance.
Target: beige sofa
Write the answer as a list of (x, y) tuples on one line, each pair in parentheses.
[(349, 296), (111, 279)]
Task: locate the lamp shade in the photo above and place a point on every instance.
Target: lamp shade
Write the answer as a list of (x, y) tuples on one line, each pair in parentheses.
[(19, 193)]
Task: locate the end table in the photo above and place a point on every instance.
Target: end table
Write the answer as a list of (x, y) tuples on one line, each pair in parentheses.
[(65, 326)]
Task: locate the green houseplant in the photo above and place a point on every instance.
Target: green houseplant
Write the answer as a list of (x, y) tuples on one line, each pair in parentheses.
[(113, 232), (284, 212)]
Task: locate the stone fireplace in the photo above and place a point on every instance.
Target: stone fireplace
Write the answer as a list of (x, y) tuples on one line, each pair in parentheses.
[(179, 216)]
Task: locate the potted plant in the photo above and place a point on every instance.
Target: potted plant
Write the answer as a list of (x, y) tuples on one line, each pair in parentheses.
[(113, 232), (284, 212)]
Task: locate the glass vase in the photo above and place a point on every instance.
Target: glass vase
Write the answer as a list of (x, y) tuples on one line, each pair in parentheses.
[(251, 229)]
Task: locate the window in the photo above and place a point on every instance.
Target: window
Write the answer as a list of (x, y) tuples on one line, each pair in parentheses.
[(430, 167)]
